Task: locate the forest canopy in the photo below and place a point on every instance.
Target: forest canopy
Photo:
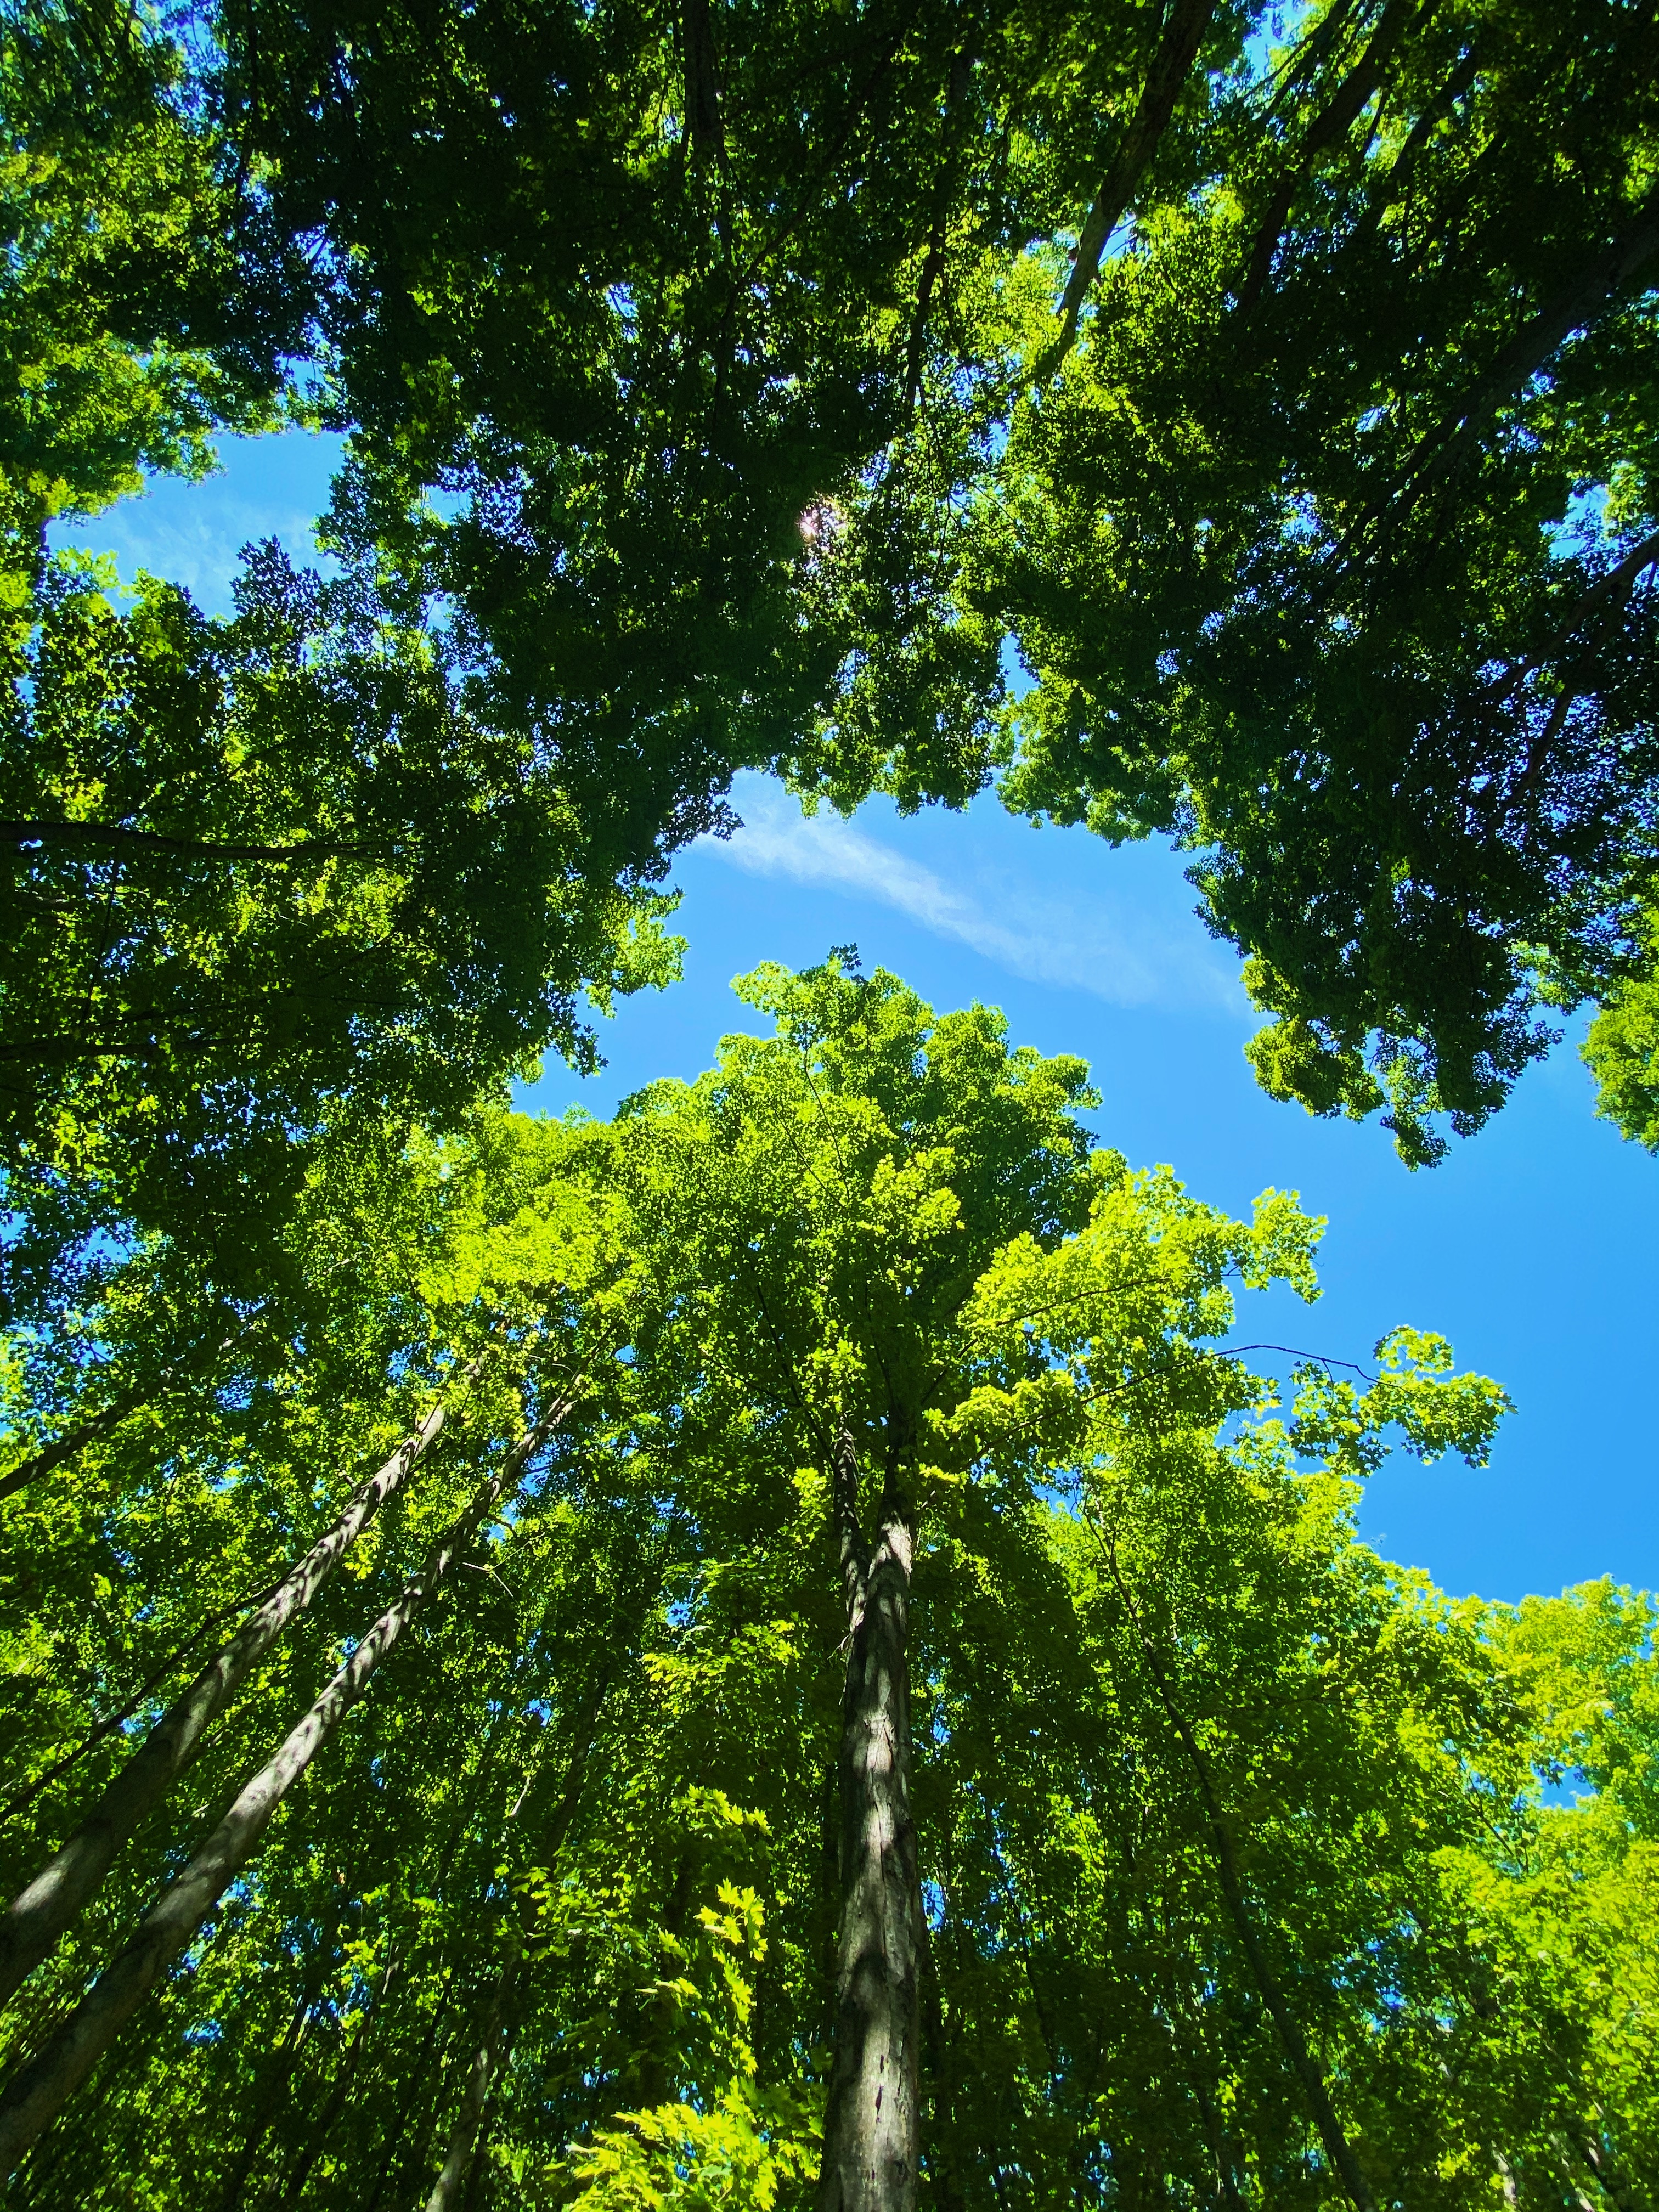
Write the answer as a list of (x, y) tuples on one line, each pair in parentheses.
[(1198, 423), (848, 1396), (777, 1648)]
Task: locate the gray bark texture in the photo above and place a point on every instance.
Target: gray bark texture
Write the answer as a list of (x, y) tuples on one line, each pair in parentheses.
[(871, 2124), (39, 1915), (39, 2090)]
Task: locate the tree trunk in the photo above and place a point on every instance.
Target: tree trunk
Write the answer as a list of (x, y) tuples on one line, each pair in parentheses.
[(702, 100), (1332, 2135), (417, 2079), (944, 2182), (453, 2185), (39, 2090), (448, 2188), (189, 1366), (40, 1914), (1215, 2134), (1615, 2183), (1596, 279), (72, 1442), (871, 2128)]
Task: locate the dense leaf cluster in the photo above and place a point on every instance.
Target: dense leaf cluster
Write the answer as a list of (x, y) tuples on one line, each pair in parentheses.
[(1217, 1813), (722, 389)]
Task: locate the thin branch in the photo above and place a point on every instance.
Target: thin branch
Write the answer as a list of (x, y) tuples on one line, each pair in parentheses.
[(1330, 125), (1183, 33), (112, 834), (33, 1790), (1597, 280)]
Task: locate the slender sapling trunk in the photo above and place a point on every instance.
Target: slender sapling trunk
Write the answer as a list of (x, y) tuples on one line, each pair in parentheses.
[(448, 2188), (39, 2091), (1306, 2067), (40, 1914), (501, 2008)]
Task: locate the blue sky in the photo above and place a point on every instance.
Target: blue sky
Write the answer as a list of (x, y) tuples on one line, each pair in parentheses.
[(1533, 1248)]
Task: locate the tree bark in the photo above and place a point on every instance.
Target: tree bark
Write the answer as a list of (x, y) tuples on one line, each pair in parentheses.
[(41, 1913), (871, 2124), (39, 2091), (448, 2188), (1183, 33), (1338, 2148)]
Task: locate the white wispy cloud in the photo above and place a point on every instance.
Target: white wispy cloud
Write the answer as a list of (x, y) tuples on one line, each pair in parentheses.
[(201, 550), (1103, 944), (193, 533)]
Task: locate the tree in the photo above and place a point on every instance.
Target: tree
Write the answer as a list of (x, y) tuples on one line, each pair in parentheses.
[(720, 394), (265, 872), (1331, 547), (1232, 1850), (1318, 508), (149, 300)]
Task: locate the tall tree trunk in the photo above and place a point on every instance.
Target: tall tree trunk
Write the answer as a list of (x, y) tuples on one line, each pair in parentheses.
[(871, 2127), (944, 2182), (1166, 77), (39, 2090), (500, 2017), (655, 2036), (1306, 2067), (493, 2043), (412, 2097), (1215, 2134), (73, 1441), (41, 1913), (702, 99)]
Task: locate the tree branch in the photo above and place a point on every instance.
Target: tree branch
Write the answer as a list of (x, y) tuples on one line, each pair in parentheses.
[(1440, 451), (1183, 33), (118, 838), (1332, 123)]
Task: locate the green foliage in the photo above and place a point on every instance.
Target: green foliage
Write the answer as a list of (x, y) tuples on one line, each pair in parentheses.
[(148, 300), (1622, 1048), (677, 2156), (268, 870), (591, 1801), (1331, 548), (704, 411)]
